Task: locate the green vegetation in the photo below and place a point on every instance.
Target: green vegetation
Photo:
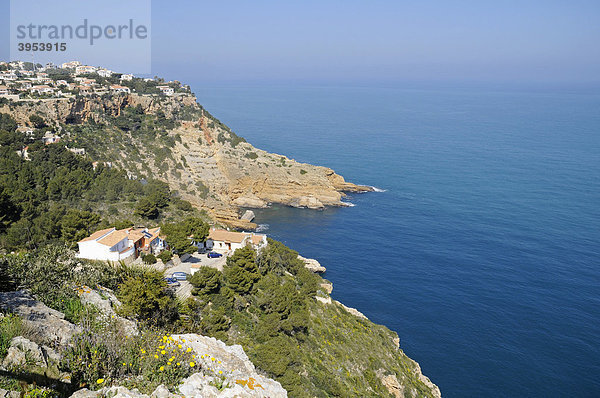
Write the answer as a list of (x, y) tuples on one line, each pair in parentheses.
[(59, 196), (149, 259), (146, 298), (181, 235), (10, 326), (165, 256), (105, 355)]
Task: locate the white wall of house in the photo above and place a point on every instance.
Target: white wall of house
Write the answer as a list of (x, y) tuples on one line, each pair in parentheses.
[(93, 250)]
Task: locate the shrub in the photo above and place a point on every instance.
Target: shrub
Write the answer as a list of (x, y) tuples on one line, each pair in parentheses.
[(207, 280), (146, 297), (146, 208), (184, 205), (165, 256), (149, 259), (251, 155), (241, 271)]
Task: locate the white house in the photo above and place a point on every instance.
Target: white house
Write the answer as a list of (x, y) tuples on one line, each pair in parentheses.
[(3, 90), (42, 89), (50, 138), (28, 131), (26, 84), (8, 76), (104, 72), (77, 151), (114, 245), (127, 77), (221, 240), (24, 153), (107, 244), (166, 90), (85, 69), (119, 89), (71, 64)]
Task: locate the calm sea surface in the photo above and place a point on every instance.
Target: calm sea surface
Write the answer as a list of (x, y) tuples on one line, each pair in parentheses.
[(483, 252)]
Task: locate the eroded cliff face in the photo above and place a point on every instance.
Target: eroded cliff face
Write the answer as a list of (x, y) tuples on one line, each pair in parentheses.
[(230, 172)]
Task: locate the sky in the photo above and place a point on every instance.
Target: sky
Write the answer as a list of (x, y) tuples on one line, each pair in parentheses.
[(376, 40)]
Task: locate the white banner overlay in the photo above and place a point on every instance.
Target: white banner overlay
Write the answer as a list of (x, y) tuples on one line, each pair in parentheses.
[(115, 34)]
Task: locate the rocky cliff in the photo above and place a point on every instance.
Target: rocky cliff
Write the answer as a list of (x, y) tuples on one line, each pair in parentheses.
[(176, 140)]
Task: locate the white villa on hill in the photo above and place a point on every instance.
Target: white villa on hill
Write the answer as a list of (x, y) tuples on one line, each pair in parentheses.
[(113, 245), (221, 240), (166, 90)]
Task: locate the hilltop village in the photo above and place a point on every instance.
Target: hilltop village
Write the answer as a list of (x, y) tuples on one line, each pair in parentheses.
[(27, 81)]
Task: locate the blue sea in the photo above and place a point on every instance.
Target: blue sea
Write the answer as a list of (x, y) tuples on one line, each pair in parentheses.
[(482, 250)]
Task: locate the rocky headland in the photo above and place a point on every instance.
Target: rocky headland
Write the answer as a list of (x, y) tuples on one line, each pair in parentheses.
[(204, 160)]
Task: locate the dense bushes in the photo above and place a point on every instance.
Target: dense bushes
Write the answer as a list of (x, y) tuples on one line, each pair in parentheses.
[(241, 271), (52, 197), (146, 297), (206, 281)]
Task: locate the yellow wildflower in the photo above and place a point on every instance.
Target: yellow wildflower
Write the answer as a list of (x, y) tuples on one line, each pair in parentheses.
[(220, 372), (179, 345), (192, 364), (178, 363), (161, 368), (189, 350), (100, 381), (163, 352), (155, 356)]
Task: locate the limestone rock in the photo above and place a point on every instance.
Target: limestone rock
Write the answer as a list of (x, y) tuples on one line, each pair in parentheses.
[(324, 300), (312, 265), (105, 300), (327, 287), (249, 201), (85, 393), (48, 324), (239, 373), (25, 355), (9, 394), (391, 383), (434, 389), (162, 392), (353, 311), (20, 350)]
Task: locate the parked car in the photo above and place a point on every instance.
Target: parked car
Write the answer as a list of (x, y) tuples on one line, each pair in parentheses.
[(172, 282), (180, 276), (213, 255)]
